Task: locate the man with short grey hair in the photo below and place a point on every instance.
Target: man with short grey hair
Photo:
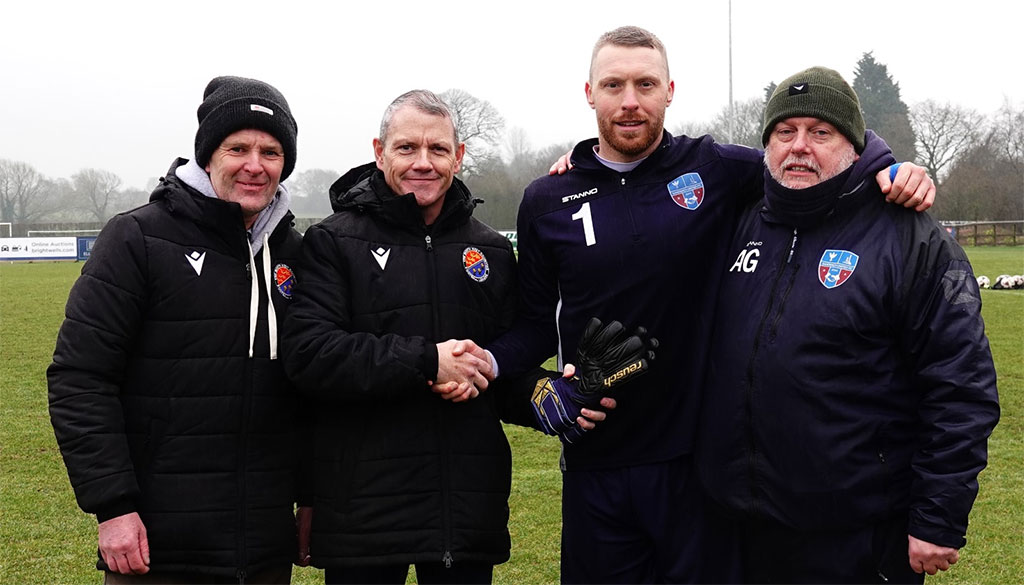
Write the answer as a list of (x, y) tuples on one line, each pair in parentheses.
[(425, 101), (411, 461)]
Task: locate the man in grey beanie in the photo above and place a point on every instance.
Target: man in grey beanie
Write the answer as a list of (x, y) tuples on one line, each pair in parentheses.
[(851, 390), (171, 410)]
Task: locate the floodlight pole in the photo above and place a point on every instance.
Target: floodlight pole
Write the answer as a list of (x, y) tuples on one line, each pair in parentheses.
[(732, 140)]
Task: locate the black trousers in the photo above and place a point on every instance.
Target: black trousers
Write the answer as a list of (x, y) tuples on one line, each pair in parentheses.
[(774, 553), (643, 524), (426, 574)]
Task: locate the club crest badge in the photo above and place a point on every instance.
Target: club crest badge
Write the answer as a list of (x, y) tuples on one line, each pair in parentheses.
[(475, 263), (284, 279), (835, 267), (687, 190)]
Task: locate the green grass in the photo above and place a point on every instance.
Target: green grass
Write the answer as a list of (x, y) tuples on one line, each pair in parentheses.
[(995, 260), (45, 538)]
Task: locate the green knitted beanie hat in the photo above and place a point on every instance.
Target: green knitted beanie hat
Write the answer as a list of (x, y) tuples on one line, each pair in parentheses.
[(820, 93)]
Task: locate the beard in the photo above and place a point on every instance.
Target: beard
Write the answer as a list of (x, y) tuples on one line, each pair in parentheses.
[(778, 172), (634, 143)]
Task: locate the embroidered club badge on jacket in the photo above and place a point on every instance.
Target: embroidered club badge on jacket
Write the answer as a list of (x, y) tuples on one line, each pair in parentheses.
[(687, 190), (284, 279), (835, 267), (475, 263)]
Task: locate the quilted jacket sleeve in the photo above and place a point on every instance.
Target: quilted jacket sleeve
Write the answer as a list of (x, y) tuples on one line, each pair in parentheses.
[(103, 314)]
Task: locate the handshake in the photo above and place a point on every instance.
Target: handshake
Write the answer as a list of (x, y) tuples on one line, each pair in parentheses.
[(606, 357)]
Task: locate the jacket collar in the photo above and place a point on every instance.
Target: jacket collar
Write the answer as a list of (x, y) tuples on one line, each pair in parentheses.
[(187, 201), (364, 190), (583, 154), (806, 208)]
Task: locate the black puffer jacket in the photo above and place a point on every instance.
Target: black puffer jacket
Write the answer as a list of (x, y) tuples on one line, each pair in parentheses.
[(155, 402), (403, 476)]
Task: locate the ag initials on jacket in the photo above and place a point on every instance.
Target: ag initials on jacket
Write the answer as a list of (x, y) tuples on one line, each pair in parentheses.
[(747, 260)]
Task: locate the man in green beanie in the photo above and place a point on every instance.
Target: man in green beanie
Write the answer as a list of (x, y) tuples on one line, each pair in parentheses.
[(851, 389)]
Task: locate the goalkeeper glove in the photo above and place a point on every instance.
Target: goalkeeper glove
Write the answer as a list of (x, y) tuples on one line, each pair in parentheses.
[(607, 357)]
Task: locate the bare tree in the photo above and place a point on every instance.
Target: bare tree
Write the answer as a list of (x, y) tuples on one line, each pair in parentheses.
[(1008, 128), (479, 125), (310, 191), (23, 193), (944, 133), (67, 206), (132, 197), (498, 193), (501, 185), (746, 124), (516, 143), (748, 119), (982, 185), (693, 129), (97, 192), (987, 181)]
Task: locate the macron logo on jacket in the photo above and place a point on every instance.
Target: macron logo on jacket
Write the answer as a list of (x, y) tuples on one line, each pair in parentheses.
[(196, 260), (381, 256)]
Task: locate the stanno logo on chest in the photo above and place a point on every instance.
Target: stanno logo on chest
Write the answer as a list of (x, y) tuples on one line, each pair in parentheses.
[(836, 267), (687, 191), (580, 195)]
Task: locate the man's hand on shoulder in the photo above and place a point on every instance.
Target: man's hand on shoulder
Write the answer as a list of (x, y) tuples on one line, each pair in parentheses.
[(562, 165), (908, 185), (124, 545), (926, 557)]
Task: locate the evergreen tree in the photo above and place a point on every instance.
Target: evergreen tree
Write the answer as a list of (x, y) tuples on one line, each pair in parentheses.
[(884, 110), (768, 91)]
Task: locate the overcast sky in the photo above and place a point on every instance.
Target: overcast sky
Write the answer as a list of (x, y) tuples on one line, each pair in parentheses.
[(115, 85)]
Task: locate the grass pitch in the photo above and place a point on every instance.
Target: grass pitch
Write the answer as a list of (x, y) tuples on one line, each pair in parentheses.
[(45, 538)]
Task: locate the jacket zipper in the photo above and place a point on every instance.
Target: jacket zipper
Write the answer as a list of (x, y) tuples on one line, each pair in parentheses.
[(243, 449), (629, 209), (446, 528), (432, 268), (749, 402), (792, 280)]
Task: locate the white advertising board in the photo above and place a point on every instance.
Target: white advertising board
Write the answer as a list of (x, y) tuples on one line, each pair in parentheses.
[(63, 248)]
